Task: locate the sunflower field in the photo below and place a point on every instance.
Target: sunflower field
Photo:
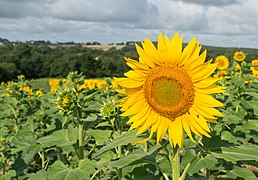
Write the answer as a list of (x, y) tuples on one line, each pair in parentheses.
[(175, 115)]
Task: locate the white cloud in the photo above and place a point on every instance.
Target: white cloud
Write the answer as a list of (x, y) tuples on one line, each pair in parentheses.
[(101, 10), (213, 22), (211, 2)]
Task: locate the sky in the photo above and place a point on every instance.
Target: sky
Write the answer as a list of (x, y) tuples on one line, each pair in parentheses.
[(226, 23)]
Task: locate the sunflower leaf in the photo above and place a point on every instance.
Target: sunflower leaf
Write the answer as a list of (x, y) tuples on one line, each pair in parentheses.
[(138, 155), (241, 172), (123, 139), (234, 154)]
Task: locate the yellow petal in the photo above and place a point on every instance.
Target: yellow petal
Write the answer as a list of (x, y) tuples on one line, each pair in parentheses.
[(131, 91), (176, 131), (169, 56), (136, 65), (129, 83), (193, 129), (199, 119), (209, 100), (198, 62), (176, 43), (164, 122), (210, 89), (152, 52), (190, 52), (174, 49), (203, 113), (138, 116), (199, 102), (205, 82), (187, 128), (204, 72), (198, 128), (151, 120), (135, 108), (155, 126), (162, 48), (144, 58), (140, 121), (130, 100), (136, 75)]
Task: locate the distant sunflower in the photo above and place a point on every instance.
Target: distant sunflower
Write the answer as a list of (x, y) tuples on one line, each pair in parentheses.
[(237, 67), (170, 90), (239, 56), (39, 93), (222, 62), (254, 68)]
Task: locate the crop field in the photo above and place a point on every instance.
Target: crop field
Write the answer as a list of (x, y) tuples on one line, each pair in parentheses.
[(76, 128)]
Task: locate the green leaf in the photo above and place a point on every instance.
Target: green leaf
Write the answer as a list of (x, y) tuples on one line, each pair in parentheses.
[(90, 118), (234, 154), (227, 136), (215, 143), (88, 167), (241, 172), (8, 175), (59, 138), (58, 171), (231, 118), (40, 175), (135, 156), (100, 136), (30, 152), (254, 104), (125, 138), (188, 156), (249, 125), (206, 162)]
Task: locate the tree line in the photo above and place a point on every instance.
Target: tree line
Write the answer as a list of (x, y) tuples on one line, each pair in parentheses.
[(42, 60)]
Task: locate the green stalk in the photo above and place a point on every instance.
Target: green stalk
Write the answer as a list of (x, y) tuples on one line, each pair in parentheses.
[(240, 70), (119, 170), (80, 131), (43, 160), (175, 163)]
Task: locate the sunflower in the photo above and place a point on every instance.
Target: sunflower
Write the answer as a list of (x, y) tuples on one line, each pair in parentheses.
[(237, 67), (39, 93), (239, 56), (254, 68), (222, 62), (169, 90)]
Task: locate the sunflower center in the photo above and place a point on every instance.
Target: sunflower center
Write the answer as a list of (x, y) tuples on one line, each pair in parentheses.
[(169, 91), (221, 63)]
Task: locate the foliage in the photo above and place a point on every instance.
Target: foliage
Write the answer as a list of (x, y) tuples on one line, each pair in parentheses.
[(43, 59), (77, 133)]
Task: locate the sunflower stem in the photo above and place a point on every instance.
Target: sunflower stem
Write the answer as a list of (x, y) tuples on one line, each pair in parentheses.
[(81, 155), (174, 159)]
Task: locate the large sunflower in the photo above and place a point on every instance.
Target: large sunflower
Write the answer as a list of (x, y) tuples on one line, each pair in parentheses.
[(222, 62), (170, 90)]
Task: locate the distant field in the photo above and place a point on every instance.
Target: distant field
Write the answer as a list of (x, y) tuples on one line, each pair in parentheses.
[(99, 47), (103, 47)]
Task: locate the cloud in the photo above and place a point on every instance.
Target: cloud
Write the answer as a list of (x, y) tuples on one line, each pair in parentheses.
[(101, 11), (24, 8), (213, 22), (211, 2)]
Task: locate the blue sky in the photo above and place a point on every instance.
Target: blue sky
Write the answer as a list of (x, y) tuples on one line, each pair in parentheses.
[(228, 23)]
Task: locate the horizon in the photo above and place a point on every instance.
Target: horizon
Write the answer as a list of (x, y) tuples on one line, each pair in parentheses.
[(116, 43)]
